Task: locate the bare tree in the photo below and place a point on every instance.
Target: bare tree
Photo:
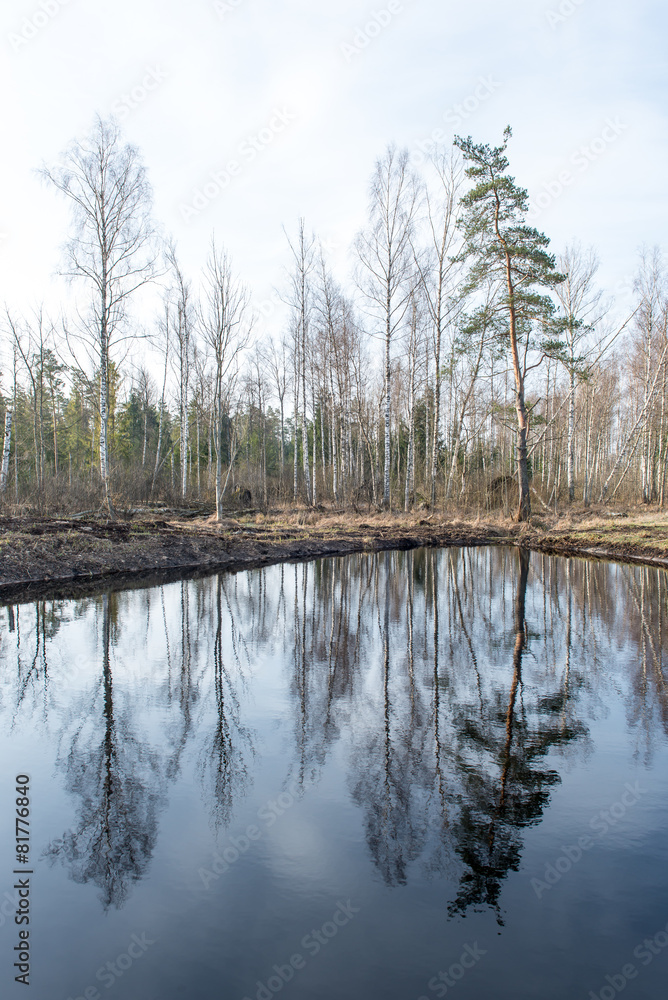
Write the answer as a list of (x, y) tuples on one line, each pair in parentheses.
[(413, 348), (226, 324), (4, 468), (648, 379), (438, 269), (386, 274), (651, 289), (331, 329), (580, 305), (257, 393), (182, 328), (277, 366), (164, 328), (31, 344), (112, 248), (473, 334), (300, 300)]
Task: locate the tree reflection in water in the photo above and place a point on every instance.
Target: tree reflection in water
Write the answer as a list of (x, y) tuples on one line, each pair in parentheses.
[(455, 681), (117, 779), (506, 788), (223, 762)]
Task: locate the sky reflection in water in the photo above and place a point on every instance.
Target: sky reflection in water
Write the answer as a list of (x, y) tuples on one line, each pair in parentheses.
[(402, 775)]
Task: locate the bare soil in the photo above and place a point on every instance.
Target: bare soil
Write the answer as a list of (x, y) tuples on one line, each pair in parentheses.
[(70, 556)]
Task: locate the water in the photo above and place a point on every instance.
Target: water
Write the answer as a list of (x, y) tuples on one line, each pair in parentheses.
[(403, 775)]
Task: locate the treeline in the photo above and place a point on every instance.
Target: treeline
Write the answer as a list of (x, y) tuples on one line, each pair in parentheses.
[(466, 365)]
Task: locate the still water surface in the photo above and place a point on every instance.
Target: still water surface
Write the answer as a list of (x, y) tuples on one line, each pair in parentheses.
[(402, 775)]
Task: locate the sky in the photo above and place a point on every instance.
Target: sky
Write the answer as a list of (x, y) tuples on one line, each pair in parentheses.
[(252, 113)]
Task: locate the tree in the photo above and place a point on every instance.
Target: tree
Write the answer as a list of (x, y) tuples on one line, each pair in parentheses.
[(580, 306), (112, 248), (4, 468), (182, 326), (226, 326), (163, 327), (499, 245), (651, 288), (300, 301), (386, 272), (437, 270), (648, 376), (277, 366), (41, 365), (472, 336)]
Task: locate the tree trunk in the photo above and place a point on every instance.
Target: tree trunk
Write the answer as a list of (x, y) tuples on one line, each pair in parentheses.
[(161, 414), (183, 344), (307, 472), (219, 456), (282, 443), (410, 458), (335, 457), (4, 469), (264, 455), (314, 490), (571, 438), (54, 417), (143, 450), (524, 507), (322, 445), (199, 481), (386, 477), (663, 444), (104, 404), (295, 418), (437, 412)]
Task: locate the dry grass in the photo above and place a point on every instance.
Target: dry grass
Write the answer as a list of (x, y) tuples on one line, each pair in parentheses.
[(46, 549)]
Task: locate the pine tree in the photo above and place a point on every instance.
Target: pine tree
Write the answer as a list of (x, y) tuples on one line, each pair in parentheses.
[(500, 246)]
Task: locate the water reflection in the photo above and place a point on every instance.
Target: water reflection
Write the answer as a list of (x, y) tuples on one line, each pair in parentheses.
[(118, 780), (508, 786), (455, 685), (224, 765)]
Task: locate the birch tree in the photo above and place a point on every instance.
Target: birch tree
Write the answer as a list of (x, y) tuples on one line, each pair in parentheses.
[(112, 248), (473, 334), (303, 253), (182, 329), (650, 287), (226, 324), (580, 306), (164, 331), (6, 448), (386, 273), (438, 270), (277, 365)]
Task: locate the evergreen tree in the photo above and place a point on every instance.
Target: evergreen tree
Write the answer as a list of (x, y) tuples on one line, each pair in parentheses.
[(499, 245)]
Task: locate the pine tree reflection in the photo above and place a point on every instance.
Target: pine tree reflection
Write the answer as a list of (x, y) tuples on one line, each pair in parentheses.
[(441, 777), (508, 786)]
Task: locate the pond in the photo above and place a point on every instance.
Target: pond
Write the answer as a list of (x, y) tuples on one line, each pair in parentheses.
[(403, 775)]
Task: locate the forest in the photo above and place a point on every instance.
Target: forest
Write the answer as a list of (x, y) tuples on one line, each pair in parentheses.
[(465, 365)]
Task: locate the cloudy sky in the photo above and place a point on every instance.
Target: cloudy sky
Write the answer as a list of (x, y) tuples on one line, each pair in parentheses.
[(251, 113)]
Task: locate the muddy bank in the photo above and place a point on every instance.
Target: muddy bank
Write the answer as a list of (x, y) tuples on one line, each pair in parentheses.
[(70, 557)]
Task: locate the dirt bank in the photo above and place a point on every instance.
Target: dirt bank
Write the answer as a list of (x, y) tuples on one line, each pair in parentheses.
[(70, 556)]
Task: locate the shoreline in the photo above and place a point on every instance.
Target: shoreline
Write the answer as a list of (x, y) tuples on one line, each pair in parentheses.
[(65, 557)]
